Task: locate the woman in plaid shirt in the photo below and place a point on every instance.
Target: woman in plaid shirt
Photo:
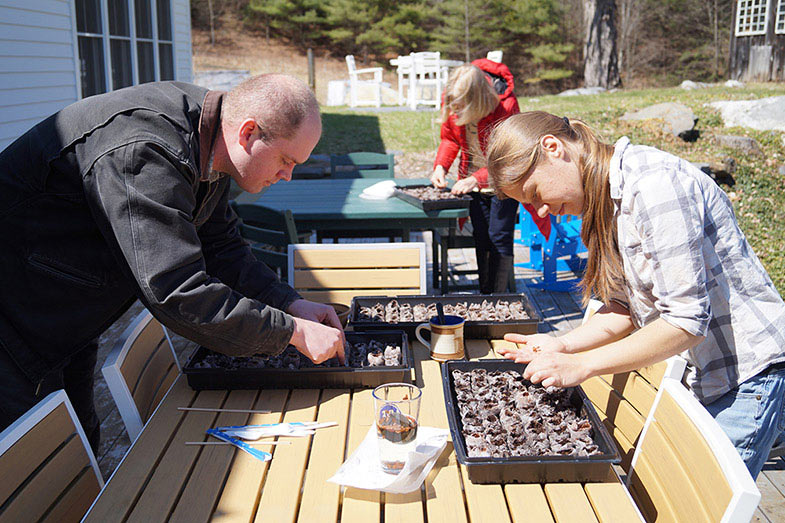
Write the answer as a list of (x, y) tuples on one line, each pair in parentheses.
[(671, 265)]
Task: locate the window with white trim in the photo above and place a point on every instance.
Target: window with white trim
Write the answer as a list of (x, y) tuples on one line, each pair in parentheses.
[(752, 16), (779, 27), (123, 42)]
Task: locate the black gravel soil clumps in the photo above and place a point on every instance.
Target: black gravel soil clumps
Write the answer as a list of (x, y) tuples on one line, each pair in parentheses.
[(394, 312), (429, 193), (504, 415), (358, 355)]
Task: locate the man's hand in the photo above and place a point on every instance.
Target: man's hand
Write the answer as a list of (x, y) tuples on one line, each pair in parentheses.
[(318, 342), (465, 185), (530, 345), (438, 178), (317, 332)]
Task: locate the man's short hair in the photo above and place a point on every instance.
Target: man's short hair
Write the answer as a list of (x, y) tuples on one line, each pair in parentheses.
[(278, 102)]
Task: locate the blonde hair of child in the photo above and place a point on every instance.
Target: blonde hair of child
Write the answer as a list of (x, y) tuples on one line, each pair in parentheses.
[(514, 150), (468, 95)]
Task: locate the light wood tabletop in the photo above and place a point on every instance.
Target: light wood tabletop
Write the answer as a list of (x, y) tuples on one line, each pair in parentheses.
[(163, 479)]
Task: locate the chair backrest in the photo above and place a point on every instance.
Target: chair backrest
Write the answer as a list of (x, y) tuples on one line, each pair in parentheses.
[(362, 165), (351, 64), (685, 467), (405, 64), (140, 370), (269, 232), (427, 63), (495, 56), (624, 400), (49, 472), (337, 272)]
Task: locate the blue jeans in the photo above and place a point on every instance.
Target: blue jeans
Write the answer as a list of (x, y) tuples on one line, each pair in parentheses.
[(753, 416)]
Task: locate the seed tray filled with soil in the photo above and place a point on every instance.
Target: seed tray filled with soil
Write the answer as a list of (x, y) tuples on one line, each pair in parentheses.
[(488, 316), (372, 358), (429, 198), (506, 430)]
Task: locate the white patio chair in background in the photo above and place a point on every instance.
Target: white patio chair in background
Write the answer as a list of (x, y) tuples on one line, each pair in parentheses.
[(405, 78), (495, 56), (140, 370), (355, 83), (49, 471), (430, 79)]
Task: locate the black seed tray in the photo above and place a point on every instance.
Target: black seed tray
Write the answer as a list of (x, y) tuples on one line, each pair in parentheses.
[(459, 202), (307, 378), (522, 469), (472, 330)]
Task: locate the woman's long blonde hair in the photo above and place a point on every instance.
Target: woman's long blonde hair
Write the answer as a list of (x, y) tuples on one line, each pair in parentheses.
[(514, 151), (468, 95)]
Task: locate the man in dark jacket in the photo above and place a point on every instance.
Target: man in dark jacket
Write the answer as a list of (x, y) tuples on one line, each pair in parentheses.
[(125, 195)]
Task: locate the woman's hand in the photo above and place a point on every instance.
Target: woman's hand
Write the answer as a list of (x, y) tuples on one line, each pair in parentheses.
[(438, 178), (556, 369), (528, 346), (465, 185)]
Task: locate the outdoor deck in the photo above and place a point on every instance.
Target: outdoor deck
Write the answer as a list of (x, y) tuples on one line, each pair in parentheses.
[(559, 311)]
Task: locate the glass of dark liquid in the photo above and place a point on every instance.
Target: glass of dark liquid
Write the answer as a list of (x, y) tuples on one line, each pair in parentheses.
[(396, 407)]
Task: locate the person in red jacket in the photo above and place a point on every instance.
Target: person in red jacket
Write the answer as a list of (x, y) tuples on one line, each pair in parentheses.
[(477, 97)]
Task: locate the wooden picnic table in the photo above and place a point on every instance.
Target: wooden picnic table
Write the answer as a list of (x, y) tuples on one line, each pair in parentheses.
[(163, 479), (335, 204)]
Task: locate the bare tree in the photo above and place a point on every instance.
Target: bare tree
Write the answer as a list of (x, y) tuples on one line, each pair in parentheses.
[(601, 67)]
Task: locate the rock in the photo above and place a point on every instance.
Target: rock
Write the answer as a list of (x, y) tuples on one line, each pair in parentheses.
[(720, 173), (765, 114), (679, 119), (734, 83), (740, 143), (582, 91), (220, 80), (689, 85)]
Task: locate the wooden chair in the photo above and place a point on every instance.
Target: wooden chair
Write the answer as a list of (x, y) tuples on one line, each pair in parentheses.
[(624, 400), (140, 370), (685, 468), (49, 472), (269, 232), (430, 74), (362, 165), (495, 56), (335, 273), (359, 78)]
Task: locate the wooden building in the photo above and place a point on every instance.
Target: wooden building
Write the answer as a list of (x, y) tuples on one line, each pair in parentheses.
[(757, 46), (55, 52)]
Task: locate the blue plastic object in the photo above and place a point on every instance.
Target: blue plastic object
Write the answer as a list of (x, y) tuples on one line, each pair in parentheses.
[(560, 252)]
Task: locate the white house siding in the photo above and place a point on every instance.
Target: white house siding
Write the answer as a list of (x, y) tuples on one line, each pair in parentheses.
[(181, 19), (39, 69), (37, 63)]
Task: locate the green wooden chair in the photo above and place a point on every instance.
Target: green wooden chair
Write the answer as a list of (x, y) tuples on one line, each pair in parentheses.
[(269, 232), (362, 165)]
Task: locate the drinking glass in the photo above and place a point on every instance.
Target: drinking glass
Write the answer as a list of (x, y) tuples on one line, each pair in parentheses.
[(396, 409)]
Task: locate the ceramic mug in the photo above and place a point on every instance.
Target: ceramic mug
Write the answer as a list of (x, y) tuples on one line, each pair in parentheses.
[(446, 340)]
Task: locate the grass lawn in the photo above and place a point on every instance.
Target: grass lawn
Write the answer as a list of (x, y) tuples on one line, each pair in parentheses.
[(758, 194)]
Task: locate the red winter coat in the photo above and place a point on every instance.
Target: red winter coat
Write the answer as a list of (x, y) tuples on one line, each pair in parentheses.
[(453, 136)]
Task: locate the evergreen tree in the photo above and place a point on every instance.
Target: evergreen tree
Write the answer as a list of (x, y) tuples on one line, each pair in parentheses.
[(301, 21)]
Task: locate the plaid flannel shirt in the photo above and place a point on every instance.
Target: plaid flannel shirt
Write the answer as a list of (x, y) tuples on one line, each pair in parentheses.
[(687, 261)]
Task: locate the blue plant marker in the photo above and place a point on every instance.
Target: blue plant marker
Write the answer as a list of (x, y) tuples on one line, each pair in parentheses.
[(256, 453)]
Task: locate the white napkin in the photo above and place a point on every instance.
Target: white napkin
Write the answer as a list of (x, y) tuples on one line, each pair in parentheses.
[(379, 191), (364, 470)]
